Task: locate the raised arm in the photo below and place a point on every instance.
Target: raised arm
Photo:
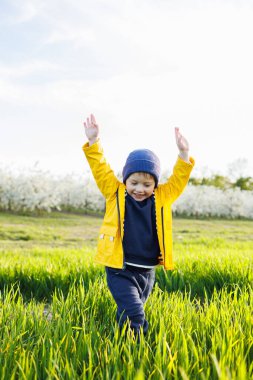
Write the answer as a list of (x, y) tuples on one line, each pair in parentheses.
[(104, 176), (176, 183)]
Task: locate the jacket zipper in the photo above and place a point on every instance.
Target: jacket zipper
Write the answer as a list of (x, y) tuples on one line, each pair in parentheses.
[(117, 196), (163, 234)]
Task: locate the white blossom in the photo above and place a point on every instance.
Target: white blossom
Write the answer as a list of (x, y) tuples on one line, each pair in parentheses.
[(211, 201), (34, 190)]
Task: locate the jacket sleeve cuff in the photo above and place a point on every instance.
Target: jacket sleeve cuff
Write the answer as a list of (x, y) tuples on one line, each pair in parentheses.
[(93, 148), (191, 161)]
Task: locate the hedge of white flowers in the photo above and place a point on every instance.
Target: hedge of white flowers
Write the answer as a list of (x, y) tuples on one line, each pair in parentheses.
[(37, 191), (209, 201)]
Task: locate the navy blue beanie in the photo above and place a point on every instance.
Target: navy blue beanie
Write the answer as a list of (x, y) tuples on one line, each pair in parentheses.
[(142, 160)]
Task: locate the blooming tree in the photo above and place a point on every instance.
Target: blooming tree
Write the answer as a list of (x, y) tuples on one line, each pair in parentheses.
[(34, 191)]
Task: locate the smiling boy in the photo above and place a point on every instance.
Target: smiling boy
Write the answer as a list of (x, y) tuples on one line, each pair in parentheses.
[(136, 234)]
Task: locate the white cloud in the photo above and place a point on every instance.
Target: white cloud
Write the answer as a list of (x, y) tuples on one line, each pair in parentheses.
[(141, 67), (78, 36), (22, 11), (28, 68)]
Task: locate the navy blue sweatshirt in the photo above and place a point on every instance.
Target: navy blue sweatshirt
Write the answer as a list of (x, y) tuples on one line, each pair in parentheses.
[(140, 240)]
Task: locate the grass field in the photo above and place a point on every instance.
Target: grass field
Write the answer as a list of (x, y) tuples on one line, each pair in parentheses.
[(57, 315)]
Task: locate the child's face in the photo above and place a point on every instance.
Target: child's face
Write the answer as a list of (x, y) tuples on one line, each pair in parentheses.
[(140, 185)]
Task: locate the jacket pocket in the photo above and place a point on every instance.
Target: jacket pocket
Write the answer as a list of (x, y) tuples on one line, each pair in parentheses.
[(107, 239)]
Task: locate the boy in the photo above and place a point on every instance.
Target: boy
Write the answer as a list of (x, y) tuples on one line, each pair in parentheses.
[(136, 234)]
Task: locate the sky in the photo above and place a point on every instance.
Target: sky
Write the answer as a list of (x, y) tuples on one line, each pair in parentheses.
[(142, 67)]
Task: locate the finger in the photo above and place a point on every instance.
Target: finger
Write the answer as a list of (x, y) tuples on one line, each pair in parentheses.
[(177, 133), (88, 122), (92, 117), (85, 125)]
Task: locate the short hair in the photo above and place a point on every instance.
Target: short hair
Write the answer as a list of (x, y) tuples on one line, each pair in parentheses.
[(145, 174)]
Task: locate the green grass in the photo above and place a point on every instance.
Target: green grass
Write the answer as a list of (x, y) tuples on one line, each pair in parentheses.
[(57, 317)]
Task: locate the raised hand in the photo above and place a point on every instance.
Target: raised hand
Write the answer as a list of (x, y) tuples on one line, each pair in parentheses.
[(182, 145), (181, 141), (91, 129)]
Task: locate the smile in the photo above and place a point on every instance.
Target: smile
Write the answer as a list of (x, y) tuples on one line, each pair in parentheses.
[(139, 195)]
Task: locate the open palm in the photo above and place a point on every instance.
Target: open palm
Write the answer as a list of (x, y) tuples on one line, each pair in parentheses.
[(91, 128), (181, 141)]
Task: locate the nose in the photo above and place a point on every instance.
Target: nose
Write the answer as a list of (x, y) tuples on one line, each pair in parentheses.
[(139, 188)]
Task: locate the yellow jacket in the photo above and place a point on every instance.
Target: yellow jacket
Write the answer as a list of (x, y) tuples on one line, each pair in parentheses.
[(109, 249)]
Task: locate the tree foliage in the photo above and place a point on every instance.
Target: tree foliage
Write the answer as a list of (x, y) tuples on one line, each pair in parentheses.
[(223, 182)]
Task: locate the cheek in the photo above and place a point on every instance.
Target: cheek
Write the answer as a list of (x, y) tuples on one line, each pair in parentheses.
[(150, 191), (129, 188)]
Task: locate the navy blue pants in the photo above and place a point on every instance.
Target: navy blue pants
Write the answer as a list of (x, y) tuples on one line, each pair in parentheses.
[(130, 288)]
